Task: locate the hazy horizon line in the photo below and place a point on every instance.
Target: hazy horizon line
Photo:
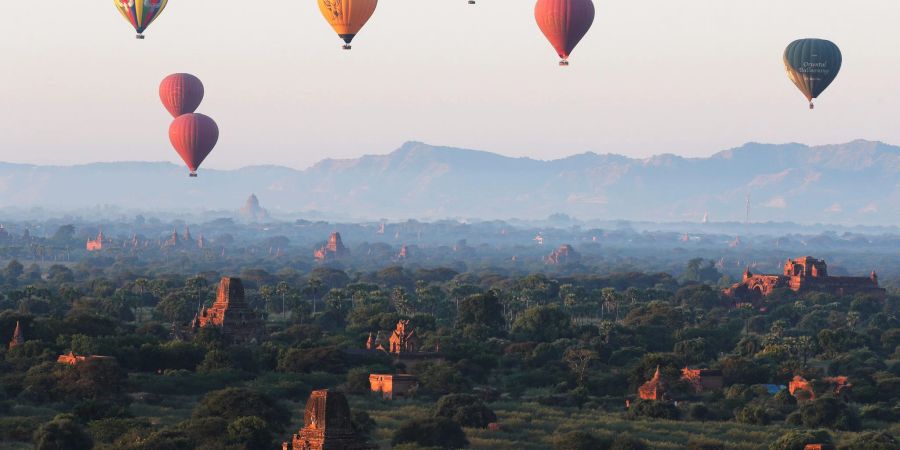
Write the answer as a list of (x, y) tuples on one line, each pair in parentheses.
[(408, 142)]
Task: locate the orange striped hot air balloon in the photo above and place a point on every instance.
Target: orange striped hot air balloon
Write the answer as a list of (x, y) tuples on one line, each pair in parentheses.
[(140, 13), (347, 17)]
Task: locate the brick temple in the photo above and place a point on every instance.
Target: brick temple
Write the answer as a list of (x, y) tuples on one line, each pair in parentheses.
[(327, 425), (333, 250), (18, 337), (394, 386), (231, 314), (806, 274)]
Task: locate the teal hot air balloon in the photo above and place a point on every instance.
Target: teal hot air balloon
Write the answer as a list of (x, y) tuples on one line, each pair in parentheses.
[(812, 64)]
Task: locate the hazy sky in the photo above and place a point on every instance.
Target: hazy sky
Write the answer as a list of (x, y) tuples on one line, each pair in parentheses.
[(682, 76)]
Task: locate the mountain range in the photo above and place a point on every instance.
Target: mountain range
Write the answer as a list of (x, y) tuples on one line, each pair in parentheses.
[(853, 183)]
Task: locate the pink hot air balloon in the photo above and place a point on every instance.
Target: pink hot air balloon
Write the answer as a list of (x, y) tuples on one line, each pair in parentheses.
[(193, 136), (564, 23), (181, 93)]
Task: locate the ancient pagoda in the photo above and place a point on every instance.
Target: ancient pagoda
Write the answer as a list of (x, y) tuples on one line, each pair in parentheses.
[(231, 314), (18, 338), (327, 425)]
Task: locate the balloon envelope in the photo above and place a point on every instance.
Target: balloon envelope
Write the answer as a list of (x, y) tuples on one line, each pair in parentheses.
[(812, 64), (564, 22), (140, 13), (347, 17), (193, 136), (181, 93)]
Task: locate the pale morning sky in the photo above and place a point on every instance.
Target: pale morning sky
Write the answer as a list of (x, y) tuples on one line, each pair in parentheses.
[(681, 76)]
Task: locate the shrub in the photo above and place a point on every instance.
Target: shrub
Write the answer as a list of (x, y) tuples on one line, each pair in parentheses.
[(234, 403), (873, 440), (753, 414), (796, 440), (653, 410), (250, 432), (579, 440), (626, 442), (831, 413), (705, 444), (62, 433), (441, 433), (465, 409)]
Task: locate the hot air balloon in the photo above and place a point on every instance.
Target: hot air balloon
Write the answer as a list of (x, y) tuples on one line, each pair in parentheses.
[(564, 23), (193, 136), (812, 64), (181, 93), (140, 13), (347, 17)]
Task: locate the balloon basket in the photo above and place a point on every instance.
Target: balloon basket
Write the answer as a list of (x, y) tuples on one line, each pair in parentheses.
[(193, 175), (347, 47), (812, 106), (140, 36), (564, 63)]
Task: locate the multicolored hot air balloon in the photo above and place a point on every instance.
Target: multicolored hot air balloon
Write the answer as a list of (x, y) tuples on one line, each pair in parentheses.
[(194, 136), (140, 13), (812, 64), (564, 23), (181, 93), (347, 17)]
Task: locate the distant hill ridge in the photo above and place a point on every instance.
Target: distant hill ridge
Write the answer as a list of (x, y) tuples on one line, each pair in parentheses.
[(856, 182)]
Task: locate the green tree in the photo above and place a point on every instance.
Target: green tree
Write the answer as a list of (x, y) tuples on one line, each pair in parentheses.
[(542, 324), (579, 360), (234, 403), (465, 409), (873, 440), (62, 433), (13, 271), (798, 439), (283, 289), (831, 413), (434, 432), (579, 440), (251, 433), (483, 311)]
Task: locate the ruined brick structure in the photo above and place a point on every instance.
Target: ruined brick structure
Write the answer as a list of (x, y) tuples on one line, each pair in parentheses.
[(404, 339), (394, 386), (839, 385), (655, 389), (18, 338), (95, 245), (565, 254), (819, 447), (231, 313), (334, 249), (405, 252), (71, 359), (703, 380), (327, 425), (806, 274)]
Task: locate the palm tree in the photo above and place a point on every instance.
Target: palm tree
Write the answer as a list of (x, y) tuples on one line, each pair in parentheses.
[(266, 292), (141, 284), (282, 289), (313, 286)]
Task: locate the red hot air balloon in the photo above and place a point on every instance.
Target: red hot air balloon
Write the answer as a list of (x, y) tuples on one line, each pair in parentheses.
[(564, 22), (193, 136), (181, 93)]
